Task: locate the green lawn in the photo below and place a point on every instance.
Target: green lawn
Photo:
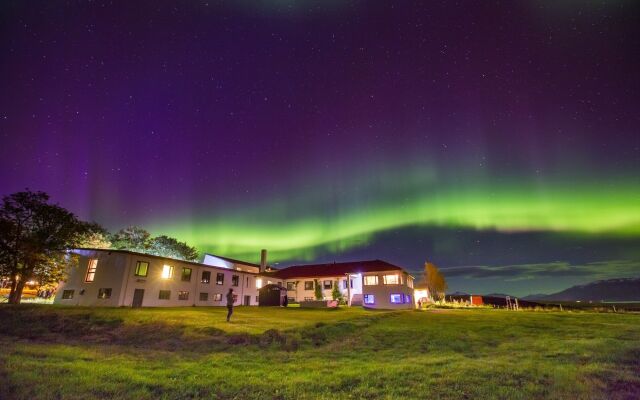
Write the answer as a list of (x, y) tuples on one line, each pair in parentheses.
[(50, 352)]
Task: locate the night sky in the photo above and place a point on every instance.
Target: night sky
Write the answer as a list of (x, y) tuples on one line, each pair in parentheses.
[(499, 140)]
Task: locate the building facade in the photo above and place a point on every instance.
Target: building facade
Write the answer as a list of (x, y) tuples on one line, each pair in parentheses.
[(372, 284), (116, 278), (124, 278)]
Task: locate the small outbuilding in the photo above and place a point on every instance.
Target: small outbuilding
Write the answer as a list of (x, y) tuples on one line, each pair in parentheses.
[(272, 295)]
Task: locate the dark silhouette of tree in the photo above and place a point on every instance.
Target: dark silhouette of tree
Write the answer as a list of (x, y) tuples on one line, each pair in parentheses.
[(131, 238), (34, 238), (166, 246), (138, 239)]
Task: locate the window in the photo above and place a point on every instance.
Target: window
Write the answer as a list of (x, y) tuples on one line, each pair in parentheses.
[(142, 268), (291, 285), (308, 285), (371, 280), (67, 294), (167, 272), (219, 279), (258, 283), (410, 282), (104, 293), (327, 284), (246, 281), (165, 295), (391, 280), (344, 283), (396, 298), (182, 295), (217, 297), (257, 299), (407, 298), (204, 296), (206, 277), (235, 280), (369, 299), (91, 270), (186, 274)]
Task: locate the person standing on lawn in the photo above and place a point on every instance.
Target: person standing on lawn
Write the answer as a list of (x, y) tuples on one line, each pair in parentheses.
[(229, 304)]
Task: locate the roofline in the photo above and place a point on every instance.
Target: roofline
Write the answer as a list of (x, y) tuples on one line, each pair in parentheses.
[(234, 260), (136, 253)]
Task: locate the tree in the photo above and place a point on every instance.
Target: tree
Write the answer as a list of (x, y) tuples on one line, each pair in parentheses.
[(317, 290), (34, 239), (96, 238), (131, 238), (336, 294), (166, 246), (435, 281)]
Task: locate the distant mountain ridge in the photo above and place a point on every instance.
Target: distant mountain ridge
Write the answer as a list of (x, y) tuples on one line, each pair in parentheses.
[(620, 289)]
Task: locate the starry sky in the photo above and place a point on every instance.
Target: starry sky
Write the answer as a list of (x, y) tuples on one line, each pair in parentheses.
[(498, 140)]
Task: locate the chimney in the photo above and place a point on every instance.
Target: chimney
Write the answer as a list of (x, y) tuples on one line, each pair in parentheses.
[(263, 260)]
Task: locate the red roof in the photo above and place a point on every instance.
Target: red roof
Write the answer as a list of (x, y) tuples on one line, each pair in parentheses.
[(334, 269)]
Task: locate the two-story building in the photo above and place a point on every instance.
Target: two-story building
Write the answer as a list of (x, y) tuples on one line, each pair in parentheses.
[(372, 284), (106, 277)]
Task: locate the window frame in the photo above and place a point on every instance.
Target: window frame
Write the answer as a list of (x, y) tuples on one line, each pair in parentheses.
[(217, 297), (104, 293), (308, 285), (235, 280), (67, 294), (169, 269), (203, 280), (325, 286), (219, 280), (386, 278), (92, 266), (137, 270), (182, 296), (401, 297), (366, 296), (206, 296), (291, 286), (183, 275), (167, 292), (374, 277)]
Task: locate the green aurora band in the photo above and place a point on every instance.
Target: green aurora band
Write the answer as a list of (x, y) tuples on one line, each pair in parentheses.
[(579, 208)]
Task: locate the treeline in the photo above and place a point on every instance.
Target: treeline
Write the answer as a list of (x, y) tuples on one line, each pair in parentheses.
[(35, 236)]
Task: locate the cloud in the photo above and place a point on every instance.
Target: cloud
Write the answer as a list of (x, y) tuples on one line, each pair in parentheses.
[(593, 270)]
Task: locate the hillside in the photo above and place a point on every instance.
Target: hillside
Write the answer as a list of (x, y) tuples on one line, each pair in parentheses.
[(622, 289)]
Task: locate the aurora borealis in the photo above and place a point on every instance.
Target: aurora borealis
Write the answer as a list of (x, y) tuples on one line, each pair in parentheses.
[(499, 141)]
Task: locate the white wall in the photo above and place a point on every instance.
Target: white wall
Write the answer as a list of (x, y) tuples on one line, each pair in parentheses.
[(383, 292)]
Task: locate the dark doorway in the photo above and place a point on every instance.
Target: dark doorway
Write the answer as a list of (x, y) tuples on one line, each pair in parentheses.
[(247, 300), (138, 294)]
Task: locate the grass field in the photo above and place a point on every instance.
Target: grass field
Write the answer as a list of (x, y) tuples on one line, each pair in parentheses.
[(50, 352)]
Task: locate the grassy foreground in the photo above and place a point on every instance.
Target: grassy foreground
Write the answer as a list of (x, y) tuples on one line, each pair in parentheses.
[(50, 352)]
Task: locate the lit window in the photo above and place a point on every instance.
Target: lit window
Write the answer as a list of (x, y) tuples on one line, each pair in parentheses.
[(391, 280), (167, 271), (369, 299), (67, 294), (371, 280), (206, 277), (219, 279), (290, 285), (407, 298), (327, 284), (235, 280), (396, 298), (410, 282), (142, 268), (204, 296), (164, 295), (308, 285), (258, 283), (104, 293), (217, 297), (91, 270), (186, 275), (182, 295)]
